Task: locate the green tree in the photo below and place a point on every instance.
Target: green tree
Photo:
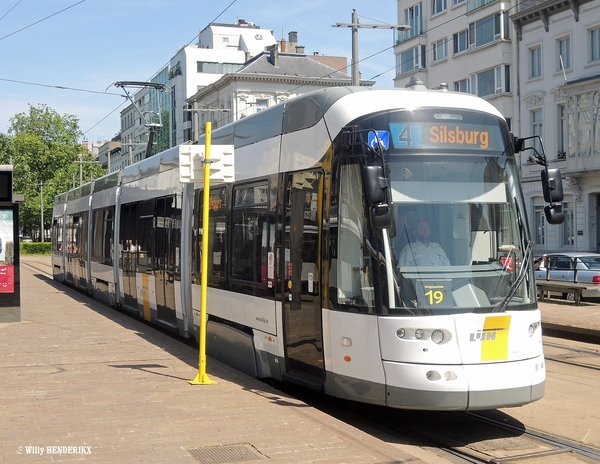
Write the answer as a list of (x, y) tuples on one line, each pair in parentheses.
[(46, 155)]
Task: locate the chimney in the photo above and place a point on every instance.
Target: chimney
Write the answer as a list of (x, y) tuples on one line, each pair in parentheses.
[(274, 55)]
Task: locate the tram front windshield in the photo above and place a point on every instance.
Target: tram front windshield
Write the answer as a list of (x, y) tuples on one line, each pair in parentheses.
[(459, 236), (457, 243)]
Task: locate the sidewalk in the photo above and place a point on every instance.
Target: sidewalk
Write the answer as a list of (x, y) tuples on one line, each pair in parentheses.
[(83, 382)]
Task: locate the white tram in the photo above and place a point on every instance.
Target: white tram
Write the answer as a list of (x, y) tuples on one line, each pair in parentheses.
[(307, 279)]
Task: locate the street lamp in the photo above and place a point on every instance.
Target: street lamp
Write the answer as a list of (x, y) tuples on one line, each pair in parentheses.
[(355, 25), (80, 156)]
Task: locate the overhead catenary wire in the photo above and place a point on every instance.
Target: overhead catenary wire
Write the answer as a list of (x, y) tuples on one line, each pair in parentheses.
[(41, 20), (60, 87), (12, 8)]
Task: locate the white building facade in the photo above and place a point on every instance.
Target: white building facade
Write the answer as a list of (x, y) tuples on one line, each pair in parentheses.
[(558, 64), (221, 49), (538, 63), (266, 80), (465, 44)]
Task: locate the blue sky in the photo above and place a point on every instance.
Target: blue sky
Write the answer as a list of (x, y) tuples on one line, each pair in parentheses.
[(89, 44)]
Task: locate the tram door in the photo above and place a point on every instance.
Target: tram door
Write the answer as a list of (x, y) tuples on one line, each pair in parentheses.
[(76, 248), (128, 250), (302, 277), (166, 244)]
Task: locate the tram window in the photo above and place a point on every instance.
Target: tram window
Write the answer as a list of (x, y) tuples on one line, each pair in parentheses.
[(352, 271), (102, 235), (57, 234), (249, 240), (145, 224), (217, 230)]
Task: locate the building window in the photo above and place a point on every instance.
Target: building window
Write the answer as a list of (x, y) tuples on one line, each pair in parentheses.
[(437, 6), (594, 44), (563, 54), (457, 2), (413, 17), (561, 131), (492, 81), (535, 62), (411, 59), (539, 224), (488, 29), (474, 4), (461, 41), (537, 128), (582, 137), (568, 227), (462, 86), (261, 105), (440, 49), (217, 68)]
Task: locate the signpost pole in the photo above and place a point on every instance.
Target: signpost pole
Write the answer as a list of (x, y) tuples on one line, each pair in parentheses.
[(202, 378)]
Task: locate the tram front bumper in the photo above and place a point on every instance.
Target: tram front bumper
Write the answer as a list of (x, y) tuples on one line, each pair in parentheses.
[(466, 387)]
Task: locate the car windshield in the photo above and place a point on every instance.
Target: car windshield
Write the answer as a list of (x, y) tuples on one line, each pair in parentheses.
[(591, 262)]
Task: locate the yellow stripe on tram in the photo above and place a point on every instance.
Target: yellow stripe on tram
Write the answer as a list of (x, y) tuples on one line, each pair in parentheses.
[(494, 343), (146, 296)]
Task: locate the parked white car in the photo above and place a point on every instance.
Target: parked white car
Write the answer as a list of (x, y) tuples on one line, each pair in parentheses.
[(572, 267)]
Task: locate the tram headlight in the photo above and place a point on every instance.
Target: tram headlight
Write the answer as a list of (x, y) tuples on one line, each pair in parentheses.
[(400, 333), (419, 334), (437, 336), (532, 328)]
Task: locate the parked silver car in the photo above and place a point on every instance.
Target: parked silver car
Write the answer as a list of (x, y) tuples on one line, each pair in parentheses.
[(571, 267)]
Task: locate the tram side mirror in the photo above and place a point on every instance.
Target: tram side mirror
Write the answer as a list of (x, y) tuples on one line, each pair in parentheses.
[(376, 186), (380, 216), (552, 185), (554, 214), (519, 144)]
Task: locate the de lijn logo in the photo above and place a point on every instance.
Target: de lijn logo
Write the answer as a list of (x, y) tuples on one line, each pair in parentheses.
[(494, 338)]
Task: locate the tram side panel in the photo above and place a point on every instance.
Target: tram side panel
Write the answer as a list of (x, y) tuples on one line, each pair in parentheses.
[(243, 315)]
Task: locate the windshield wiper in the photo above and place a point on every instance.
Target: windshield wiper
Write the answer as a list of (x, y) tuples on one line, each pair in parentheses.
[(501, 307)]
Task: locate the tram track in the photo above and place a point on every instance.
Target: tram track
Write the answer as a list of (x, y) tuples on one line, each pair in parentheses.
[(572, 356), (44, 268), (492, 437)]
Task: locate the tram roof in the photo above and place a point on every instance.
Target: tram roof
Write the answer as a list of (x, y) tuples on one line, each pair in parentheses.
[(300, 112)]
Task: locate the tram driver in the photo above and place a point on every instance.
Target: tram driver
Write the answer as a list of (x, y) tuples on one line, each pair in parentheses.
[(422, 251)]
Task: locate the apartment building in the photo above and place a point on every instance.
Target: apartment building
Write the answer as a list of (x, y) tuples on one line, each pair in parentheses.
[(538, 63), (465, 44), (558, 63), (221, 49), (266, 80)]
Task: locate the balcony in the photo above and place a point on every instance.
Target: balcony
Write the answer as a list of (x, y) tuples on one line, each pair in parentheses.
[(531, 11)]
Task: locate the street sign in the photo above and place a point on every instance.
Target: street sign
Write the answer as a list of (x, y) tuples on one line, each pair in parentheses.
[(376, 137), (191, 163)]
